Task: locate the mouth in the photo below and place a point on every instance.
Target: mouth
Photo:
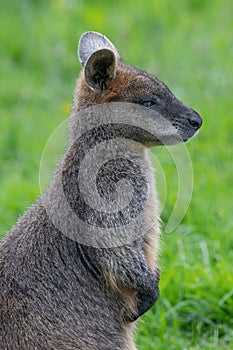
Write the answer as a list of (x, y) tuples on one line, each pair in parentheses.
[(191, 137)]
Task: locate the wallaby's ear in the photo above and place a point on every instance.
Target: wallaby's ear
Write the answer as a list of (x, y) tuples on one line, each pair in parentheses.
[(98, 57)]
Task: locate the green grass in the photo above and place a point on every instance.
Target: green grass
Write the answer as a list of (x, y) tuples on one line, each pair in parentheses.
[(186, 43)]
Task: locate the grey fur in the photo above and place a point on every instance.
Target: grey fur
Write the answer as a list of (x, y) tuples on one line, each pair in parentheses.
[(57, 293), (91, 42)]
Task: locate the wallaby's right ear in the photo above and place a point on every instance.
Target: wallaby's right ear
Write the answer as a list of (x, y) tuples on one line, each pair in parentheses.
[(98, 57)]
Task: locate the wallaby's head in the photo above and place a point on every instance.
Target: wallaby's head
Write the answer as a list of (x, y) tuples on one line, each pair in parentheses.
[(105, 78)]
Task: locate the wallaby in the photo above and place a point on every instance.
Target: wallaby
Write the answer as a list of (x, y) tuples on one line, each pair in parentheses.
[(57, 293)]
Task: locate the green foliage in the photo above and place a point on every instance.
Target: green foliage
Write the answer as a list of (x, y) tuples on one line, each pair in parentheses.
[(186, 43)]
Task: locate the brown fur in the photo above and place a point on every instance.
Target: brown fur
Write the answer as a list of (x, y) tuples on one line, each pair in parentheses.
[(85, 96)]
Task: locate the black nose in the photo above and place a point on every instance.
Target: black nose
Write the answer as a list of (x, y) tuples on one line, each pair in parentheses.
[(195, 121)]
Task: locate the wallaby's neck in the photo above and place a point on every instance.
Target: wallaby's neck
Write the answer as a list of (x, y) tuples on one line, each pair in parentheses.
[(102, 183)]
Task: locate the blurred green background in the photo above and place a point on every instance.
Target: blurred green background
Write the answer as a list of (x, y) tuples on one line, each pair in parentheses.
[(189, 45)]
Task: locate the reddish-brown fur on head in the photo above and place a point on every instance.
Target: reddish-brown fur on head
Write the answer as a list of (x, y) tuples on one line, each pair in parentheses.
[(86, 96), (106, 78)]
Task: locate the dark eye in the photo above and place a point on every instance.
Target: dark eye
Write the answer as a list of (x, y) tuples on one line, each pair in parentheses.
[(147, 103)]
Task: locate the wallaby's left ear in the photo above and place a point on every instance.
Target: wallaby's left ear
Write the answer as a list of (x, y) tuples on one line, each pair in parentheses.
[(98, 57)]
